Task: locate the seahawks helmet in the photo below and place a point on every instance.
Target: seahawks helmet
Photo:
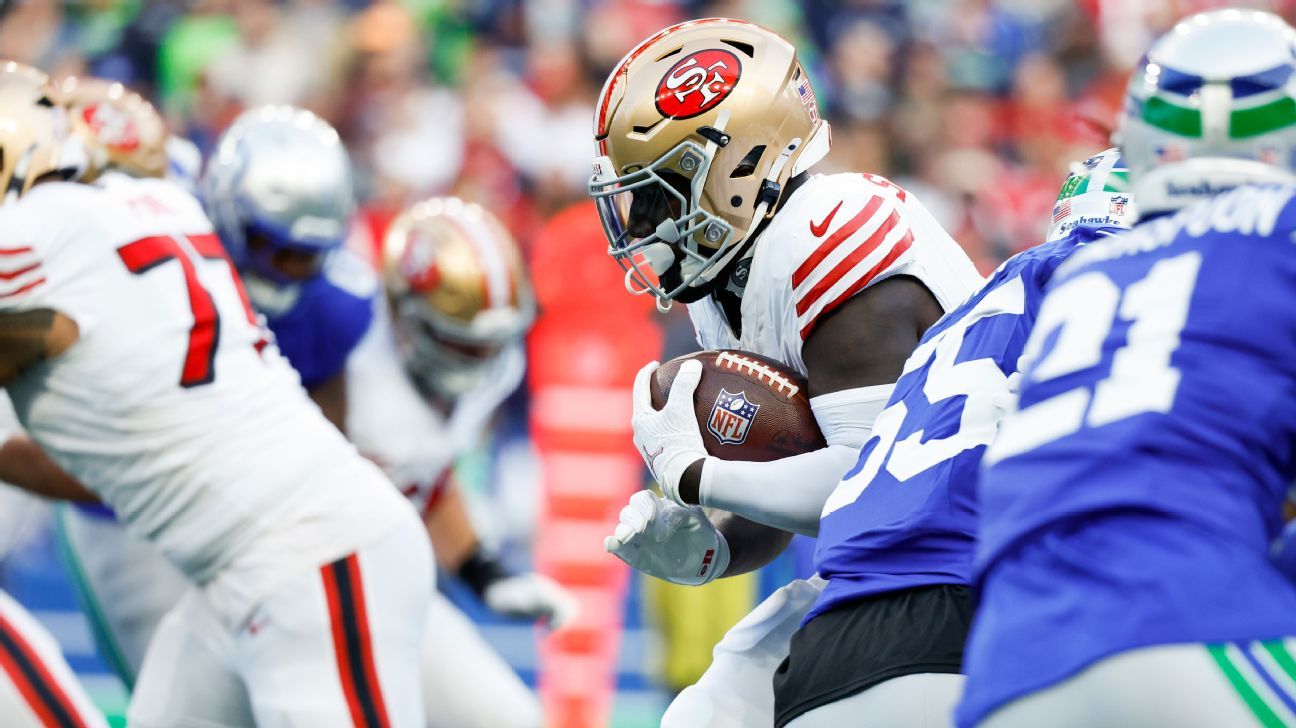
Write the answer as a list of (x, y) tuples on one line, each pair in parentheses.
[(1212, 106), (279, 186), (1095, 195)]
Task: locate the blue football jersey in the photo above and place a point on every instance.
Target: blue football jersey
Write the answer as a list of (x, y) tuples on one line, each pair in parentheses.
[(905, 515), (328, 320), (1132, 498)]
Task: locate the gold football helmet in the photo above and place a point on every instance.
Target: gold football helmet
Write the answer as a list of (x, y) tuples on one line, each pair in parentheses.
[(459, 293), (32, 129), (698, 130), (121, 130)]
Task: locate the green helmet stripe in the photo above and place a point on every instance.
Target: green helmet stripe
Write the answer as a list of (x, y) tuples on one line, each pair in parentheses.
[(1262, 119), (1071, 187), (1175, 119)]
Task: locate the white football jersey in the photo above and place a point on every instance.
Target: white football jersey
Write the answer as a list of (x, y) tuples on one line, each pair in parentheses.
[(392, 424), (170, 405), (835, 236)]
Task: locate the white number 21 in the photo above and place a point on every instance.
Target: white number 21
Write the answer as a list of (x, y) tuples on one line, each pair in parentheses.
[(1082, 313)]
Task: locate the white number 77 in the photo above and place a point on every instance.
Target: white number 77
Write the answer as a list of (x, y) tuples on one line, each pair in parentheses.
[(1082, 313)]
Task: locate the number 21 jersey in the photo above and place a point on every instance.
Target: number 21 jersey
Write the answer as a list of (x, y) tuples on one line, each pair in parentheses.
[(1131, 499)]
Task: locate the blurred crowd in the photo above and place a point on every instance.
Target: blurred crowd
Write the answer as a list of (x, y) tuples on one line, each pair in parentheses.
[(978, 106)]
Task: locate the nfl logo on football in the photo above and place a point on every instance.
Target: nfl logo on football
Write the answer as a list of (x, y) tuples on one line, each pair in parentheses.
[(1118, 205), (731, 417)]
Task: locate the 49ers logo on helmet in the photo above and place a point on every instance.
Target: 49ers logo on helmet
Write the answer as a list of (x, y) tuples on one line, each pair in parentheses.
[(698, 82), (112, 127)]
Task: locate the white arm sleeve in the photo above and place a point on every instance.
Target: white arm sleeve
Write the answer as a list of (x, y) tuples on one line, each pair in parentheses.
[(790, 493)]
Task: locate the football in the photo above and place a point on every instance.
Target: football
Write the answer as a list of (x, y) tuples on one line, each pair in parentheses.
[(748, 407)]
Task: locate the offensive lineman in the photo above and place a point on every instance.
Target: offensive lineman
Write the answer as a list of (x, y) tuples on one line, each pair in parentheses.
[(705, 133), (1130, 501), (124, 584), (135, 362), (444, 351), (903, 521)]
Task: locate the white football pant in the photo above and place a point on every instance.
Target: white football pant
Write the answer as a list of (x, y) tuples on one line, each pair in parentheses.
[(1184, 685), (334, 647), (737, 690), (127, 587), (922, 700), (37, 688)]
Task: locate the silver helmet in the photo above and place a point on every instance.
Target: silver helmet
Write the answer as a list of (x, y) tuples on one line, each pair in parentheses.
[(1213, 106), (278, 188)]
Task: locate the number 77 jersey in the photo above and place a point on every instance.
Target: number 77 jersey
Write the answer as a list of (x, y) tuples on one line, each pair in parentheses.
[(905, 515), (167, 401)]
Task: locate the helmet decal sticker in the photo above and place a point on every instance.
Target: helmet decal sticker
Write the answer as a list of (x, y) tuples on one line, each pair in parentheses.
[(113, 126), (697, 83)]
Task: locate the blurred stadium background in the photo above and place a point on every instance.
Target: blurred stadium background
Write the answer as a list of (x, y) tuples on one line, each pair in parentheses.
[(977, 106)]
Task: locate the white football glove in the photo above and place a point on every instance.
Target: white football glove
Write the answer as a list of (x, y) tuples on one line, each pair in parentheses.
[(675, 543), (668, 439), (531, 596)]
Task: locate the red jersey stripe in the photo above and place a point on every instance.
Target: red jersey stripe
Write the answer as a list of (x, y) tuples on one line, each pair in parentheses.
[(9, 275), (22, 289), (897, 250), (848, 228), (15, 251), (842, 269)]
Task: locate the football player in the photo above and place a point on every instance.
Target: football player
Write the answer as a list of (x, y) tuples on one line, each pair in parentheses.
[(901, 525), (1130, 500), (277, 172), (125, 585), (135, 362), (278, 188), (705, 135), (444, 351)]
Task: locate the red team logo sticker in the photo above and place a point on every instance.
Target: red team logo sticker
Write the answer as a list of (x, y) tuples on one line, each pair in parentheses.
[(731, 417), (698, 82), (112, 127)]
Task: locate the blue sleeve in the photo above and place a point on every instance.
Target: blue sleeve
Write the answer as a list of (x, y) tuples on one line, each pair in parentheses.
[(319, 335)]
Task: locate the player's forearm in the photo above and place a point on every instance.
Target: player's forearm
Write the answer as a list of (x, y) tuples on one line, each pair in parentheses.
[(24, 464), (450, 530), (331, 397), (29, 337), (751, 545), (787, 494)]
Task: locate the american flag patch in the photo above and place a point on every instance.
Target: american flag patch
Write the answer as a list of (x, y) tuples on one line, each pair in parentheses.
[(808, 97), (1061, 211)]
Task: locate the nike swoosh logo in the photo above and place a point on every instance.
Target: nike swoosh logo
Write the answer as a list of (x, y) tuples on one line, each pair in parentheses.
[(821, 228)]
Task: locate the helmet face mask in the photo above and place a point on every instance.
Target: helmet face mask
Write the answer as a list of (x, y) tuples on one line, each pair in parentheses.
[(656, 225)]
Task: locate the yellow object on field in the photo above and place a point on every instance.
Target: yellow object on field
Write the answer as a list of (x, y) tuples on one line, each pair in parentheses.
[(692, 619)]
